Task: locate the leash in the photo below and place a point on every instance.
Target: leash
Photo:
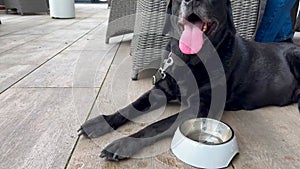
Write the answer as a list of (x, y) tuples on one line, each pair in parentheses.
[(169, 61), (161, 73)]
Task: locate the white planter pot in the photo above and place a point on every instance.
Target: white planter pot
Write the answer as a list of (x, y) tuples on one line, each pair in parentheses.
[(62, 8)]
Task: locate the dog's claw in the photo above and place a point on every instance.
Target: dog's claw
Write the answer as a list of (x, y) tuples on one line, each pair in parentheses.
[(102, 155), (115, 157), (81, 132), (110, 156)]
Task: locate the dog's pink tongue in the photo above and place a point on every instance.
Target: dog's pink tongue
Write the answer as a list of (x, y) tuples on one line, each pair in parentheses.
[(191, 40)]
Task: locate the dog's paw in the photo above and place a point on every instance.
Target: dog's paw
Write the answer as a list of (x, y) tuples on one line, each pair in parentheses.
[(121, 149), (95, 127)]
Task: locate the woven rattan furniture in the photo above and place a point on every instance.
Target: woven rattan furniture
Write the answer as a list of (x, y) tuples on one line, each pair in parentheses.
[(245, 13), (148, 43), (121, 18), (27, 6)]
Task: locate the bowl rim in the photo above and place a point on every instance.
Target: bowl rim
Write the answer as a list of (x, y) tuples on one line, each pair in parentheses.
[(219, 121)]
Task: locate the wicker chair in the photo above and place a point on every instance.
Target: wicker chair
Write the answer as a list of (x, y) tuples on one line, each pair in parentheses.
[(121, 18), (148, 42), (27, 6), (245, 13)]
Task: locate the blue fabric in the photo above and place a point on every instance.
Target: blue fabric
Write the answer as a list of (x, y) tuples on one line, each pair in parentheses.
[(276, 24)]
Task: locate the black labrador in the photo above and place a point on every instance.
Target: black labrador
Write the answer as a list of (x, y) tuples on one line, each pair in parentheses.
[(257, 75)]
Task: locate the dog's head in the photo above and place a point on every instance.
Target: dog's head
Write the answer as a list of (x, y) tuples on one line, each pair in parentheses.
[(195, 18)]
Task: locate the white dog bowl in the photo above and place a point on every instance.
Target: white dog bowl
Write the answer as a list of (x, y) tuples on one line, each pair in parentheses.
[(205, 143)]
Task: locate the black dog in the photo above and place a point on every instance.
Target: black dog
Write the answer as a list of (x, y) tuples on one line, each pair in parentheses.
[(257, 74)]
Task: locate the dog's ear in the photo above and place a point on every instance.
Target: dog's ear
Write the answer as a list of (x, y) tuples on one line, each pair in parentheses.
[(172, 12), (230, 17), (169, 7), (167, 26)]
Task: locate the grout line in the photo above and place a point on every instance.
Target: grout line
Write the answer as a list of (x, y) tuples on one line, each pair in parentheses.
[(77, 87), (46, 21), (51, 57), (70, 156), (102, 83), (92, 107), (30, 27), (13, 33)]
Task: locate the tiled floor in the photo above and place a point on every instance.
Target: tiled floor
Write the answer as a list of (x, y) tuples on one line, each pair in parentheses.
[(54, 74)]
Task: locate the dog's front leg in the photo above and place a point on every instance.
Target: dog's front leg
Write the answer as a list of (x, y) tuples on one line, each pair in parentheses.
[(127, 146), (103, 124)]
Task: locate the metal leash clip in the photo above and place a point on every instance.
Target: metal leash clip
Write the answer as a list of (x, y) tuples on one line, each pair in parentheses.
[(161, 73)]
